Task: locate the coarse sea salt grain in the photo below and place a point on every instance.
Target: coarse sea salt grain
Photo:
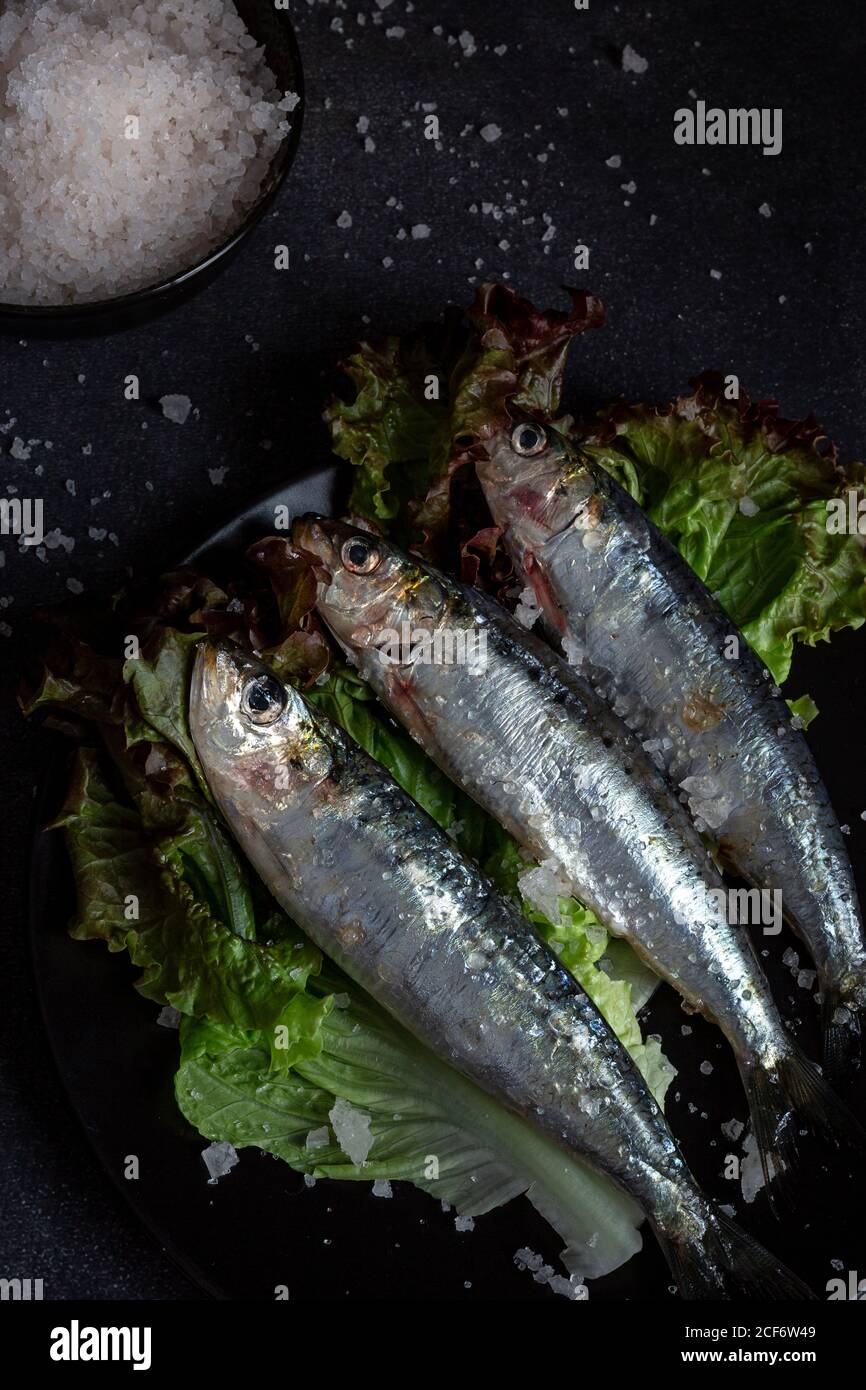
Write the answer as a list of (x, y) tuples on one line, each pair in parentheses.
[(176, 408), (135, 138), (632, 61), (220, 1158), (352, 1130)]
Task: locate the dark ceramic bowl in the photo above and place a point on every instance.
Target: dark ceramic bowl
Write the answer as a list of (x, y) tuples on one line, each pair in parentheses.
[(270, 27)]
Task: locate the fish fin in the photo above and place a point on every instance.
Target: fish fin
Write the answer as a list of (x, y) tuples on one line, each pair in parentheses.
[(843, 1038), (791, 1098), (724, 1262)]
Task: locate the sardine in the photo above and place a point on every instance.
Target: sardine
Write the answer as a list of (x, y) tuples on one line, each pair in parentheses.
[(389, 897), (528, 738), (654, 641)]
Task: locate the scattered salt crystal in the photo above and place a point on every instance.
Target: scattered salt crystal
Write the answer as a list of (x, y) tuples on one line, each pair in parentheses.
[(344, 221), (791, 959), (633, 62), (382, 1188), (176, 408), (309, 1180), (218, 475), (464, 1223), (19, 449), (846, 829), (352, 1130), (708, 800), (574, 650), (543, 886), (168, 1017), (542, 1273), (748, 507), (528, 1259), (732, 1129), (806, 978), (490, 132), (706, 1068), (220, 1158), (765, 210), (420, 231), (715, 274), (614, 162), (55, 540), (467, 43), (318, 1138), (527, 611), (751, 1170)]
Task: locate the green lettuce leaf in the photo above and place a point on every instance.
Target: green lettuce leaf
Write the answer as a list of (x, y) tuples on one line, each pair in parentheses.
[(427, 1125), (393, 419), (743, 495), (421, 401), (130, 896)]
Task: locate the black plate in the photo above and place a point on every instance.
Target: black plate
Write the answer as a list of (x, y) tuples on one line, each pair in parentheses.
[(260, 1227)]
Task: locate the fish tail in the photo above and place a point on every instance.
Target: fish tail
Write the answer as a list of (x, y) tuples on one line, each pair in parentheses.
[(842, 1022), (723, 1262), (791, 1098)]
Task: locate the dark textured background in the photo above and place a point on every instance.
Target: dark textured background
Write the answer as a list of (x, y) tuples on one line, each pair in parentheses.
[(251, 352)]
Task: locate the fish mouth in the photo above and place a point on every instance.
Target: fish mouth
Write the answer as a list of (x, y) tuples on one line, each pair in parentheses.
[(318, 536), (216, 670)]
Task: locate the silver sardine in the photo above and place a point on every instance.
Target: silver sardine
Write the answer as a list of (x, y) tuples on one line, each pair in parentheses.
[(384, 892), (528, 738), (654, 642)]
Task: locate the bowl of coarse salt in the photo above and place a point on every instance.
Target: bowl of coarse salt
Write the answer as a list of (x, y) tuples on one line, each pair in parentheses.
[(140, 143)]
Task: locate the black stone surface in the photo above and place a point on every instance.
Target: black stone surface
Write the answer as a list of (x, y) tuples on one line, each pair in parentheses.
[(133, 490)]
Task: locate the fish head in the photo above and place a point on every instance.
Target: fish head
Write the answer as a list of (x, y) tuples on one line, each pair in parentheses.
[(535, 482), (368, 589), (256, 737)]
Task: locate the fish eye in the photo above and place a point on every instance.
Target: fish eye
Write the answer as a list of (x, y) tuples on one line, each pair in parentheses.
[(263, 699), (360, 556), (528, 438)]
